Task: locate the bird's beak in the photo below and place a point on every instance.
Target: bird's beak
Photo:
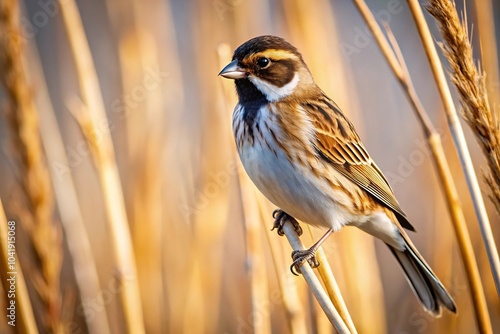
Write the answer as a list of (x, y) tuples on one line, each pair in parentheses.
[(233, 71)]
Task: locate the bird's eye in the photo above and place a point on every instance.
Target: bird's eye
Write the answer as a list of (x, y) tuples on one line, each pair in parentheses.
[(263, 62)]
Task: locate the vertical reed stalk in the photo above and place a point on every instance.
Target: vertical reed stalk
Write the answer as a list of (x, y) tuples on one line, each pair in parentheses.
[(462, 235), (77, 239), (103, 153), (34, 177), (210, 215), (255, 258), (398, 66), (458, 139), (137, 52)]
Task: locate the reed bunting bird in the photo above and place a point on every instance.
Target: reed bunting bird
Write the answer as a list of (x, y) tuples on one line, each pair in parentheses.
[(305, 156)]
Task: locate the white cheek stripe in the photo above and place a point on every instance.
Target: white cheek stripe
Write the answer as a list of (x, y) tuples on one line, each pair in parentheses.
[(272, 92)]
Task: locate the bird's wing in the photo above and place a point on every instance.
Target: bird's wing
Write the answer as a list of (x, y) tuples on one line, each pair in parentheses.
[(338, 143)]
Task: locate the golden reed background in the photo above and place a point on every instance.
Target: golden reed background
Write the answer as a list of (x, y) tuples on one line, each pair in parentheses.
[(132, 190)]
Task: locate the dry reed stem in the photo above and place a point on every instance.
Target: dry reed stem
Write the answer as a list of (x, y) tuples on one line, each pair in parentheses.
[(471, 85), (397, 64), (332, 288), (76, 236), (24, 311), (210, 217), (210, 132), (255, 258), (139, 25), (314, 284), (34, 176), (294, 312), (462, 235), (458, 139), (137, 52), (90, 119)]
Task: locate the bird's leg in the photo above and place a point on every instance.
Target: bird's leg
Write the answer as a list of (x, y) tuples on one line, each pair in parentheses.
[(309, 255), (280, 217)]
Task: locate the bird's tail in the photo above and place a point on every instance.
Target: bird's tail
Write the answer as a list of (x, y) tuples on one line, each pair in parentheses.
[(429, 290)]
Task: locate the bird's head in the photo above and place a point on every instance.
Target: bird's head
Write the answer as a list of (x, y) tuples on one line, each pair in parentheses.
[(267, 67)]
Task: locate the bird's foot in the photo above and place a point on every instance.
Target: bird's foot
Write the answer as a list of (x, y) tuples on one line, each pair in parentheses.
[(280, 217), (300, 256)]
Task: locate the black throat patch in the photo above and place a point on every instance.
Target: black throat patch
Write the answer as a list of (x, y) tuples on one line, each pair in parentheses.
[(251, 100)]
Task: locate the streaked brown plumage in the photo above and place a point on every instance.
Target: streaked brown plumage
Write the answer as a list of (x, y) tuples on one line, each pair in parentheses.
[(305, 156)]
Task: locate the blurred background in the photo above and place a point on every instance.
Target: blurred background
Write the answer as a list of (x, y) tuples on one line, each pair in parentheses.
[(136, 157)]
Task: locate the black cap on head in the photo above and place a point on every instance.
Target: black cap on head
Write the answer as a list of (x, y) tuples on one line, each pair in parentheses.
[(261, 43)]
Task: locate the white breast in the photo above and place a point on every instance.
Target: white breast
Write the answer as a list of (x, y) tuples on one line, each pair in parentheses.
[(289, 186)]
